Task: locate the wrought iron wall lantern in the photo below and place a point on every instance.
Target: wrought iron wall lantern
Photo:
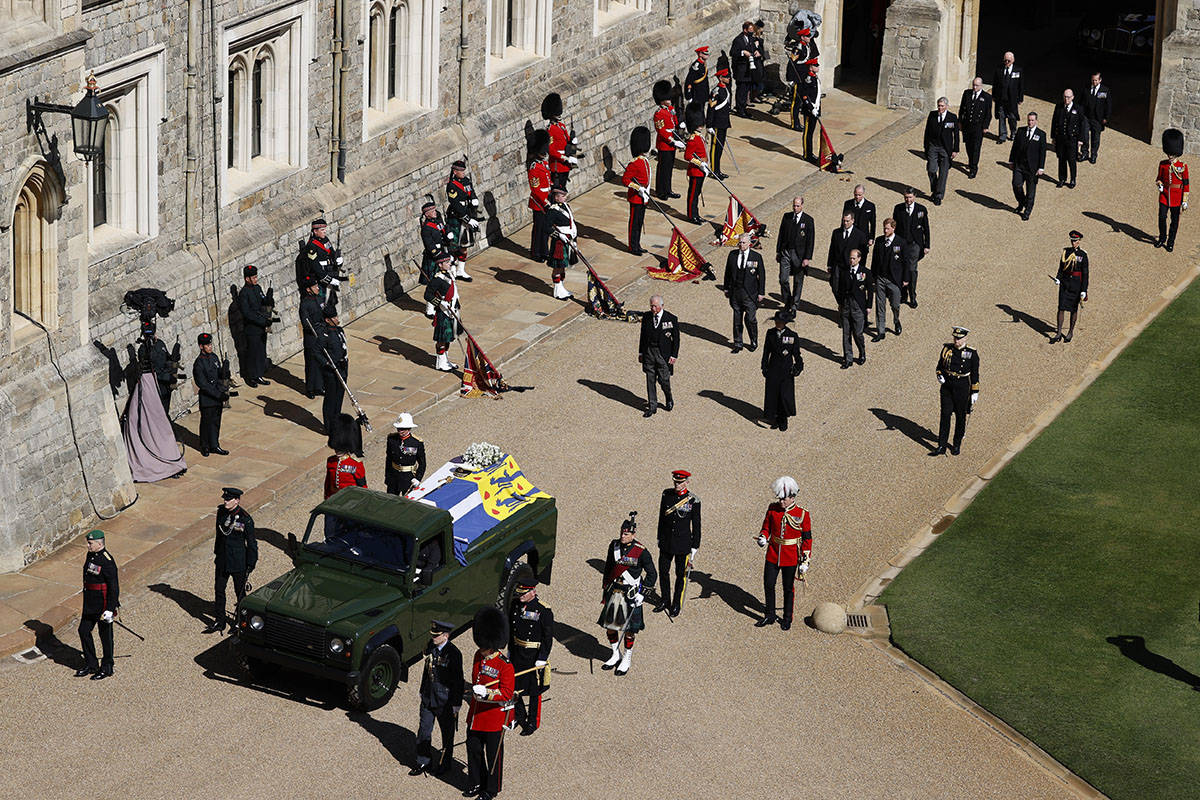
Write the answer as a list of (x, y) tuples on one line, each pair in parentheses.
[(89, 121)]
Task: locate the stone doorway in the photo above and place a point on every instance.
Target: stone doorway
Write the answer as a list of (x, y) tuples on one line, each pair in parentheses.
[(861, 46)]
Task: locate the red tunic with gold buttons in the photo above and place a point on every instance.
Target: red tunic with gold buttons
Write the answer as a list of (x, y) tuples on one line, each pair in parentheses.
[(695, 150), (637, 171), (558, 146), (539, 185), (789, 533), (665, 122), (489, 714), (1173, 176)]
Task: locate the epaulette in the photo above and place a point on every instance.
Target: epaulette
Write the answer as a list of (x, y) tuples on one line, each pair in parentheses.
[(106, 555)]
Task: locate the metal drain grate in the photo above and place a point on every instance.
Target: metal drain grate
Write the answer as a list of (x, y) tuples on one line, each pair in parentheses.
[(30, 656), (857, 621)]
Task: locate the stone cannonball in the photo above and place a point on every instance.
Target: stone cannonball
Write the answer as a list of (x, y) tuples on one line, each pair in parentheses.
[(829, 618)]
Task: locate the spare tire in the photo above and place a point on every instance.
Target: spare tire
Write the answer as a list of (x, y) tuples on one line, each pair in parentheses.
[(521, 571)]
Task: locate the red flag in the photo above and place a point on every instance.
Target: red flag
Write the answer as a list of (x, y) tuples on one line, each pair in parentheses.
[(684, 262), (830, 159), (738, 220), (480, 376)]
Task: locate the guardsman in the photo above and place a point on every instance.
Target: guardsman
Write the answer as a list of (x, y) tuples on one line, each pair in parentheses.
[(101, 599), (718, 119), (781, 363), (563, 233), (975, 117), (405, 464), (912, 226), (256, 318), (461, 223), (628, 567), (1072, 282), (561, 142), (333, 341), (794, 75), (441, 698), (1172, 187), (810, 107), (958, 379), (492, 687), (1008, 90), (312, 313), (1097, 109), (235, 553), (433, 243), (153, 357), (697, 159), (637, 178), (666, 139), (1028, 160), (787, 535), (206, 372), (539, 195), (678, 539), (322, 261), (343, 468), (695, 85), (1067, 128), (445, 322), (531, 625)]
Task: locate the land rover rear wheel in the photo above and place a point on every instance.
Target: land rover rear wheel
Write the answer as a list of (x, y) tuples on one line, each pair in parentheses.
[(377, 681)]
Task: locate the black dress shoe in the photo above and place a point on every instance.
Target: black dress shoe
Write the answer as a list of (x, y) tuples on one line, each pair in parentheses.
[(937, 201), (674, 195), (1020, 210), (638, 252), (877, 337), (722, 176), (527, 731), (1025, 216), (1067, 338), (785, 624), (649, 412), (263, 382), (1056, 338), (417, 770), (765, 621), (1092, 160), (220, 451), (661, 607), (737, 348), (954, 450), (860, 360), (83, 672), (204, 452), (1159, 243), (669, 405), (752, 346), (252, 384), (774, 425), (898, 328), (472, 791), (1071, 185), (1170, 248), (673, 611), (938, 451), (783, 424), (102, 673), (846, 364)]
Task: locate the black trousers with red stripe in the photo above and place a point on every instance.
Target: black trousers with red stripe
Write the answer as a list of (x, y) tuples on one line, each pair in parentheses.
[(637, 216), (485, 760), (695, 184), (666, 166)]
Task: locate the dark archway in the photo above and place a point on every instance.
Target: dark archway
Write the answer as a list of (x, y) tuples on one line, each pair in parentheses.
[(861, 46)]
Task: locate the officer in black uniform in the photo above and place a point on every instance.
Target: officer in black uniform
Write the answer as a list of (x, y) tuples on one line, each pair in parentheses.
[(433, 240), (781, 363), (958, 376), (235, 552), (101, 599), (153, 357), (1068, 128), (1072, 282), (256, 318), (809, 98), (311, 319), (442, 688), (531, 634), (695, 85), (320, 260), (794, 74), (717, 121), (405, 465), (333, 340), (678, 539), (206, 372)]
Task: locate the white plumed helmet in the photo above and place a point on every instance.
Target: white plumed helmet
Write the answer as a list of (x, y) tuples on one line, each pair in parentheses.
[(785, 487)]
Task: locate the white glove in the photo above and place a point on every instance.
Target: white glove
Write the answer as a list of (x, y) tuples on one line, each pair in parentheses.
[(339, 261), (705, 168), (974, 397), (638, 599), (474, 223), (575, 141), (1084, 295), (475, 201), (416, 482), (1056, 282), (628, 579), (107, 616), (802, 567), (480, 690), (762, 540), (539, 663), (644, 192), (334, 282), (1184, 206), (678, 144), (693, 552), (572, 160), (941, 378)]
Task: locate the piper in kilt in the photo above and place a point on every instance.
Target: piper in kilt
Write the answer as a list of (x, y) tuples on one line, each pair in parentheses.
[(445, 322), (563, 231), (627, 567), (461, 224)]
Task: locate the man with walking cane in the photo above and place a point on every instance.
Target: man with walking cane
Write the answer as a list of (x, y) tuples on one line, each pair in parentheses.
[(787, 535), (101, 599), (493, 683)]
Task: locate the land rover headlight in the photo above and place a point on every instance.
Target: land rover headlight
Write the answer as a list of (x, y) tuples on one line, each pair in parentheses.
[(336, 645), (256, 623), (1139, 41), (1094, 35)]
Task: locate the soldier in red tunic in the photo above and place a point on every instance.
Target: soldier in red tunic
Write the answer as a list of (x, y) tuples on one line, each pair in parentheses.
[(343, 468), (637, 178), (666, 139), (787, 535), (1172, 187), (697, 160), (492, 682), (562, 143), (539, 195)]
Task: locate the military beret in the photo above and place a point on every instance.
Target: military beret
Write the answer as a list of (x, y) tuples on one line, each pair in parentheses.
[(960, 332), (95, 533), (1076, 235), (459, 164), (203, 339), (428, 204), (230, 493), (249, 271)]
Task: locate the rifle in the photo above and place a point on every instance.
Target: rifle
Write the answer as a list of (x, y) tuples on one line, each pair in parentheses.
[(362, 415), (225, 381), (269, 307)]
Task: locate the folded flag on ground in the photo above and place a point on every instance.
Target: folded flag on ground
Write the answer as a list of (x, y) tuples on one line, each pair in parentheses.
[(684, 262)]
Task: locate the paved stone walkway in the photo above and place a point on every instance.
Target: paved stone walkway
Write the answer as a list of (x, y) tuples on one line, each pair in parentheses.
[(270, 431)]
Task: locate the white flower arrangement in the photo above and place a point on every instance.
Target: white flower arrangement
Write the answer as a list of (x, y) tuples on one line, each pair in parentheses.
[(481, 455)]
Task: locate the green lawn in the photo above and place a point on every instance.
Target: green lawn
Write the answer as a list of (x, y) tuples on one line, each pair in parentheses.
[(1065, 599)]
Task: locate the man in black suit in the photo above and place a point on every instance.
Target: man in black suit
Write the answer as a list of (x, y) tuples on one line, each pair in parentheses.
[(745, 286), (889, 268), (1067, 128), (1028, 160), (941, 146), (658, 347), (853, 291), (864, 214), (793, 252), (974, 115), (1097, 108), (912, 225), (841, 242), (1008, 91), (745, 58)]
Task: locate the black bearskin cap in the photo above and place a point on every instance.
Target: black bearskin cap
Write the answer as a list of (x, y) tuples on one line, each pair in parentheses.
[(541, 143), (341, 437), (1172, 142), (639, 141), (693, 116), (552, 106), (490, 629), (662, 91)]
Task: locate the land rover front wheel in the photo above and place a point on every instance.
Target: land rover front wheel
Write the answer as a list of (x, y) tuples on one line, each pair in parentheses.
[(377, 681)]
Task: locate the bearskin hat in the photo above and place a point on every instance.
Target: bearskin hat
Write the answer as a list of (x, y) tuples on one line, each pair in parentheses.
[(662, 91), (1172, 142), (342, 437), (552, 106), (490, 629), (541, 144), (639, 141), (693, 116)]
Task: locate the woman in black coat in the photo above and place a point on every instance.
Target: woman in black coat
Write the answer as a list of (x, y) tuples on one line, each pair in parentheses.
[(781, 363)]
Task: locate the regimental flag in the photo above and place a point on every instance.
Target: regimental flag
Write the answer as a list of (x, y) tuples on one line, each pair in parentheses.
[(830, 159), (602, 303), (477, 500), (480, 376), (684, 262), (738, 220)]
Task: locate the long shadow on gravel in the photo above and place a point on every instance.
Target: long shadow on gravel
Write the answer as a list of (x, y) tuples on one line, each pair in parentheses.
[(399, 741), (745, 410), (196, 607), (915, 431), (614, 392), (52, 648), (1018, 316), (984, 200), (1137, 234), (579, 643), (700, 332), (220, 664), (733, 595)]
